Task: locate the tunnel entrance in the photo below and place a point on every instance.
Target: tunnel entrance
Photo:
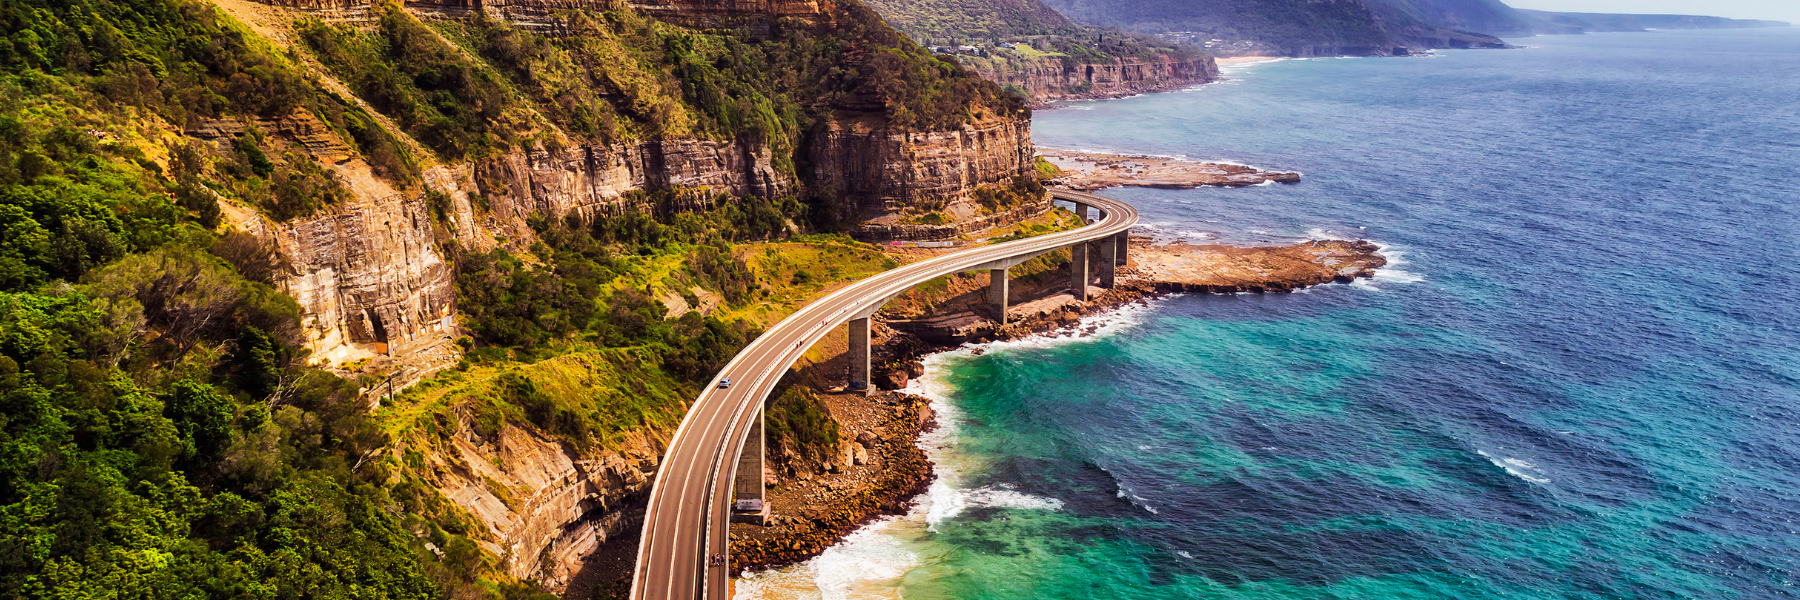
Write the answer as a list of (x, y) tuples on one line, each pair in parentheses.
[(378, 329)]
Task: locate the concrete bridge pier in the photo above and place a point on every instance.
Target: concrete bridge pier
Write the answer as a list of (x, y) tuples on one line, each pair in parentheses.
[(1108, 260), (748, 492), (999, 282), (1078, 270), (859, 354), (1081, 211)]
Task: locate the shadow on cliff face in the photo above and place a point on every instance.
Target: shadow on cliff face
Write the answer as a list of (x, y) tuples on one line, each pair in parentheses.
[(606, 574)]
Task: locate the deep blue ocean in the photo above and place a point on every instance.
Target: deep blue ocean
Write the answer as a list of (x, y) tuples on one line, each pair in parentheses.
[(1580, 380)]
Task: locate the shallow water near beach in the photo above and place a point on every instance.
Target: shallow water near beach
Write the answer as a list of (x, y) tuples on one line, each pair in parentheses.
[(1581, 379)]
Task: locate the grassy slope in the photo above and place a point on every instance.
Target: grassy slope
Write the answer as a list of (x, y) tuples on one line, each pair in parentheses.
[(616, 389)]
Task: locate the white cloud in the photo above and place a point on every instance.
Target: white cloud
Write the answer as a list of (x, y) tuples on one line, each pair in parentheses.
[(1776, 10)]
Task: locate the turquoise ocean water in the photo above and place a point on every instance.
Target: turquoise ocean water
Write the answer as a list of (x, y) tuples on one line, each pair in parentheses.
[(1580, 380)]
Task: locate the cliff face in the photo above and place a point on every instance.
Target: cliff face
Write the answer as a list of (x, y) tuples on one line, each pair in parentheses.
[(371, 282), (367, 273), (592, 180), (1047, 79), (879, 173), (544, 507)]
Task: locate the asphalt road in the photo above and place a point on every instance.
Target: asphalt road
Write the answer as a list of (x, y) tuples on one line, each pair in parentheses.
[(688, 517)]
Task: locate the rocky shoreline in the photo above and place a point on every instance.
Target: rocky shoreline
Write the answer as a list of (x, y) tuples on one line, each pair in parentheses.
[(833, 507), (1088, 171)]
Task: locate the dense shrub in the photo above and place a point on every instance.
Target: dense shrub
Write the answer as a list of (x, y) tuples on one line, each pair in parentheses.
[(799, 419), (408, 72)]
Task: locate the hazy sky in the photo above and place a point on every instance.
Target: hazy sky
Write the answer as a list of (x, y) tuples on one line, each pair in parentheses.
[(1777, 10)]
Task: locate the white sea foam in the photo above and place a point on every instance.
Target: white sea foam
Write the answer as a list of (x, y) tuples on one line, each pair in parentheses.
[(1136, 499), (1391, 273), (1167, 232), (947, 501), (1517, 468), (1321, 235), (864, 565), (1388, 273), (1178, 157), (1089, 328)]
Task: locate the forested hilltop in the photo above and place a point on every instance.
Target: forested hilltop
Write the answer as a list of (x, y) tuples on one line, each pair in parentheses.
[(1034, 51), (385, 302)]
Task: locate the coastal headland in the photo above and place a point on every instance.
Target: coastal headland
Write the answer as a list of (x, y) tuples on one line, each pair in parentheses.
[(875, 468), (1088, 171)]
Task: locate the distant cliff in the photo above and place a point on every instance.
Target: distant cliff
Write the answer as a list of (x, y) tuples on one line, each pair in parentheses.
[(1033, 50), (1047, 78), (1303, 27), (1567, 22)]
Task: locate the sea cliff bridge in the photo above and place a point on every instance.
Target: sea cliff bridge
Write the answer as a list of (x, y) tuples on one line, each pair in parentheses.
[(714, 463)]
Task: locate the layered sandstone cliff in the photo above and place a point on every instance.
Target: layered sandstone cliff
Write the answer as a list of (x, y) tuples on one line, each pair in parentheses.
[(1051, 78), (592, 180), (880, 174), (543, 506), (373, 288)]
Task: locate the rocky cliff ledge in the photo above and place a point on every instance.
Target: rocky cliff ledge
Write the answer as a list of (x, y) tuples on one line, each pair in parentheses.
[(1049, 78), (373, 289), (592, 180), (878, 173), (1089, 171), (542, 506)]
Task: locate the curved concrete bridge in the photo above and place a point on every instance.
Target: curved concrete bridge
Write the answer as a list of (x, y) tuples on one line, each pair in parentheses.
[(698, 486)]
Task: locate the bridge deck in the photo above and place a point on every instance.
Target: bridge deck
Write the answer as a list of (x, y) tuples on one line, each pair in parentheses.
[(688, 516)]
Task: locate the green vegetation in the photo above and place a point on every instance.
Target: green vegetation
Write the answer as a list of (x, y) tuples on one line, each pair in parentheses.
[(404, 69), (797, 418), (95, 90), (955, 21), (1022, 191), (1059, 219), (1286, 23), (162, 433), (580, 345), (1046, 170), (1031, 30), (1091, 45), (588, 396), (594, 276), (620, 76), (162, 436), (935, 217)]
